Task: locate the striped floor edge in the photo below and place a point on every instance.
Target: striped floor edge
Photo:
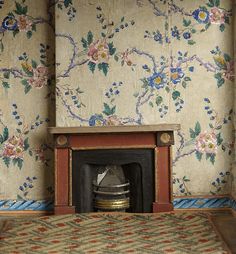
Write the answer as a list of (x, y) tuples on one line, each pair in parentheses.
[(179, 203)]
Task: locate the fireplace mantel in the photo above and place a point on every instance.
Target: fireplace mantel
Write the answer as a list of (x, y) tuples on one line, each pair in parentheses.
[(158, 137), (114, 129)]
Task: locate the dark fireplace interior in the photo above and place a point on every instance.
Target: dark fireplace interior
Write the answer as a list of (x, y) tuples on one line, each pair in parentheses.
[(127, 175)]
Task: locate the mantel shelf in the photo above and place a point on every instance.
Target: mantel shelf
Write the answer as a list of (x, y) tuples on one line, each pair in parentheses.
[(114, 129)]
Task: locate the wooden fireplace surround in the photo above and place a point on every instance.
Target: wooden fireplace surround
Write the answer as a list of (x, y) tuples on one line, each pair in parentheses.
[(157, 137)]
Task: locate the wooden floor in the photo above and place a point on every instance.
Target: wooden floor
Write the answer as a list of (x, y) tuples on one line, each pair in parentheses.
[(226, 226), (224, 221)]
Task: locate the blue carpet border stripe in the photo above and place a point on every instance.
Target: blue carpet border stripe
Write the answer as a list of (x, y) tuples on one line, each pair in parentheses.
[(190, 203), (179, 203), (26, 205)]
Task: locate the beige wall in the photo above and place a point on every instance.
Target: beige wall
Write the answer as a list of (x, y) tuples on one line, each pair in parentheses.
[(117, 62), (167, 63)]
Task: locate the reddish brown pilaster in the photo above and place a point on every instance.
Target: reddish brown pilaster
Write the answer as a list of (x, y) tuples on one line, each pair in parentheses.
[(163, 181), (62, 182)]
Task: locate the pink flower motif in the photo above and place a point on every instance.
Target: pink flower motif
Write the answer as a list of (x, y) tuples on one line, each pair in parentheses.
[(217, 16), (113, 120), (13, 148), (229, 73), (126, 59), (23, 23), (40, 77), (40, 154), (99, 52), (206, 143)]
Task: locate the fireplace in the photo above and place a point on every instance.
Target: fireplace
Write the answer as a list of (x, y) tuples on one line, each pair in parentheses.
[(132, 166), (139, 158)]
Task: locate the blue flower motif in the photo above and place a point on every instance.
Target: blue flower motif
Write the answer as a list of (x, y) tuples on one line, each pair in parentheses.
[(96, 120), (157, 80), (158, 37), (191, 68), (186, 35), (9, 23), (175, 32), (201, 15), (176, 74)]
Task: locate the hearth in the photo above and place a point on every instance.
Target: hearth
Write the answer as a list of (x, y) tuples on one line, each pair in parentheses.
[(141, 154)]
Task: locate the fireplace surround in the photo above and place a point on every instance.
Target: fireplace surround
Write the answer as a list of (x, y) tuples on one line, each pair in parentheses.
[(121, 142)]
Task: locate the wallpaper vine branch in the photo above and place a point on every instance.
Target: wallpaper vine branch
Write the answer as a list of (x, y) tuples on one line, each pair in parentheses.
[(129, 63)]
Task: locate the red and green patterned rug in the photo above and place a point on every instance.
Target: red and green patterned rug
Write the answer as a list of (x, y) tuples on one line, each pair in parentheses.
[(113, 233)]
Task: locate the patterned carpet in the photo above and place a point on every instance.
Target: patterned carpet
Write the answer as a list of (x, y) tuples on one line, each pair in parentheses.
[(113, 233)]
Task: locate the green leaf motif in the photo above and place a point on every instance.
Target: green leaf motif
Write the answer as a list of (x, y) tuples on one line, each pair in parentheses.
[(34, 64), (207, 25), (192, 133), (191, 42), (150, 104), (19, 9), (159, 100), (219, 139), (211, 156), (217, 3), (112, 50), (6, 74), (67, 3), (92, 66), (116, 58), (108, 110), (19, 197), (103, 67), (19, 163), (175, 95), (218, 75), (84, 43), (222, 27), (7, 161), (211, 3), (186, 22), (34, 27), (89, 37), (24, 10), (227, 57), (26, 144), (184, 84), (5, 84), (28, 87), (220, 82), (198, 155), (187, 79), (29, 34), (5, 134), (15, 32), (197, 128)]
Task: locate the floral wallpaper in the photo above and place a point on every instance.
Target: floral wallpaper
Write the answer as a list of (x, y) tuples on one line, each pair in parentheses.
[(116, 62), (149, 62), (27, 92)]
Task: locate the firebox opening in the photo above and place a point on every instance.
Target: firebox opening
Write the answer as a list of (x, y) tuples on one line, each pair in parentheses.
[(113, 180)]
